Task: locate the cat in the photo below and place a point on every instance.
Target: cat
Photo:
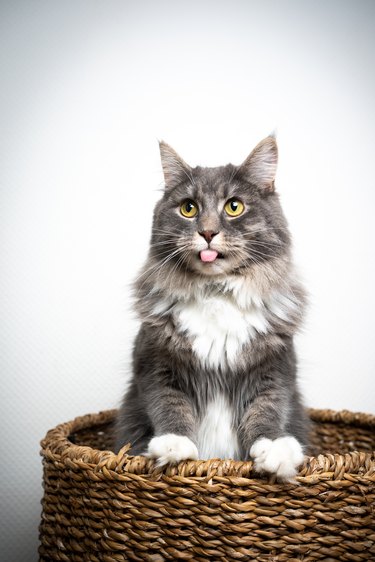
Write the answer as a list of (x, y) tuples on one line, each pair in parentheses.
[(214, 366)]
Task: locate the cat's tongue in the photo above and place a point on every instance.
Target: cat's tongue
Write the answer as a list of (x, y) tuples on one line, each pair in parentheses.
[(208, 255)]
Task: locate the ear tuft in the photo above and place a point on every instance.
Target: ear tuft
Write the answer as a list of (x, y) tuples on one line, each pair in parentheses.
[(260, 166), (174, 168)]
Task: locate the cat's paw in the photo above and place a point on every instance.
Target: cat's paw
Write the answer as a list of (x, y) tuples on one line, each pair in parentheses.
[(281, 456), (171, 448)]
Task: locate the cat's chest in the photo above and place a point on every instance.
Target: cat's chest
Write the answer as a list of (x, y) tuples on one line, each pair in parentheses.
[(218, 327)]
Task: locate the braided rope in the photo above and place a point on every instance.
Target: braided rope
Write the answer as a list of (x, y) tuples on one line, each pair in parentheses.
[(99, 505)]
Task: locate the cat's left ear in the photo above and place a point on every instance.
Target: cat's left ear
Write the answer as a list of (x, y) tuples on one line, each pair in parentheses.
[(175, 168), (259, 168)]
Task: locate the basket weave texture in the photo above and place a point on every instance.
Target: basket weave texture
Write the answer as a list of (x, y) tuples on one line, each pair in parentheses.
[(99, 506)]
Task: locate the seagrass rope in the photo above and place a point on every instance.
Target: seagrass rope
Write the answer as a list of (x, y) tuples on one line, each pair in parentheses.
[(99, 505), (57, 442)]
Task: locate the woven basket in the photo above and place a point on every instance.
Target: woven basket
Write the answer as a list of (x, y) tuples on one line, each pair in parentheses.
[(99, 506)]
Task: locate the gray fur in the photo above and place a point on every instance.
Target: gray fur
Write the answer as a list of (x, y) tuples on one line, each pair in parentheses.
[(170, 389)]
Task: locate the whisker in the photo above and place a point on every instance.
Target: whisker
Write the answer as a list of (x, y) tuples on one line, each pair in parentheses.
[(268, 243), (163, 243), (152, 267), (158, 271), (156, 268), (179, 262)]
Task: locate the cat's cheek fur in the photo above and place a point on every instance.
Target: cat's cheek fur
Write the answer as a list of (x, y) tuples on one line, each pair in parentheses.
[(171, 449), (281, 456)]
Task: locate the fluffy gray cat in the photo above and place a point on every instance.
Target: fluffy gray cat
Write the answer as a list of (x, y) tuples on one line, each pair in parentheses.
[(214, 367)]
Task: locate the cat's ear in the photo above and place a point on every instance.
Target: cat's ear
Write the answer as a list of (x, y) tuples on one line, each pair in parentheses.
[(259, 168), (174, 168)]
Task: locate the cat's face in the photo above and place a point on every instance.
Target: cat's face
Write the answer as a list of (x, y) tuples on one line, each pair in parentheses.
[(218, 221)]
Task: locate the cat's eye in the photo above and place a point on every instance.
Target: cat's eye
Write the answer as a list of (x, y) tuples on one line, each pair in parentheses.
[(234, 207), (189, 209)]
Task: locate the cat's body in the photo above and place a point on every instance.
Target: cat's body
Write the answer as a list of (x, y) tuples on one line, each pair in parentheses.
[(214, 363)]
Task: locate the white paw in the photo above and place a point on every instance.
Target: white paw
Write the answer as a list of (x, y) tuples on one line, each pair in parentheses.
[(171, 448), (281, 457)]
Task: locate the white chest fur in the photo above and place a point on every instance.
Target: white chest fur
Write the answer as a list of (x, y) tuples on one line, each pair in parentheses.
[(218, 327), (216, 436)]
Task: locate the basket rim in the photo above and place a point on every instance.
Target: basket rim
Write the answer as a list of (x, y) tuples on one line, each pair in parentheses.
[(57, 447)]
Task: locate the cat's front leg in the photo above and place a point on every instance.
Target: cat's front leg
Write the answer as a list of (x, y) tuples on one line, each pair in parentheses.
[(281, 456), (173, 421), (170, 448), (264, 437)]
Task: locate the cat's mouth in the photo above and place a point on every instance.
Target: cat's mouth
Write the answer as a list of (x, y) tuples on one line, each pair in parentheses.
[(209, 256)]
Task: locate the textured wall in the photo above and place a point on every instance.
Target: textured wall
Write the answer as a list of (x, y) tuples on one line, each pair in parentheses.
[(87, 89)]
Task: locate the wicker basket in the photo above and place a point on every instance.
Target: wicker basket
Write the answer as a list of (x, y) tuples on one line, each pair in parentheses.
[(102, 506)]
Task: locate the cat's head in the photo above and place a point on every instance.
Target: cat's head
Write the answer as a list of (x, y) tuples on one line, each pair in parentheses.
[(219, 221)]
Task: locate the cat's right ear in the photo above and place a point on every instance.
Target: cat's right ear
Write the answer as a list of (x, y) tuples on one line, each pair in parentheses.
[(175, 168)]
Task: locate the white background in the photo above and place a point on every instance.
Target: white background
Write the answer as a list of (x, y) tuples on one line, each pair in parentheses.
[(87, 88)]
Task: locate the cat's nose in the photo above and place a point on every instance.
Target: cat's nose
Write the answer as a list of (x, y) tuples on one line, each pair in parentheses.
[(208, 235)]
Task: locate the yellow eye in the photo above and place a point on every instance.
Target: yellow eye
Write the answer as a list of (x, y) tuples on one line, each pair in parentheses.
[(188, 209), (234, 207)]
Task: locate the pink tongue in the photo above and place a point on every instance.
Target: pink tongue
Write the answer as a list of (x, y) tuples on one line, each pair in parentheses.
[(208, 255)]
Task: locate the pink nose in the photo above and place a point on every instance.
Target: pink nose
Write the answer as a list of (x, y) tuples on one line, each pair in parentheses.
[(208, 235)]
